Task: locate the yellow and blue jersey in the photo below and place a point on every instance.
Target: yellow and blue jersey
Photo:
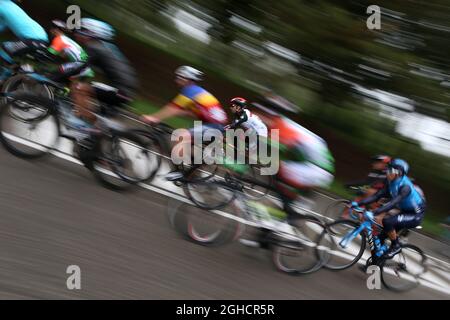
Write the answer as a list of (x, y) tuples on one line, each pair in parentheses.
[(202, 103)]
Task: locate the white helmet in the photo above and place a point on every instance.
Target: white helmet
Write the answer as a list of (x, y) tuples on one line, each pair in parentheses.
[(189, 73), (96, 29)]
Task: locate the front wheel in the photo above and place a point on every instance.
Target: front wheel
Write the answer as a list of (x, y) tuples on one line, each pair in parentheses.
[(201, 226), (211, 195), (29, 128), (296, 254), (403, 271), (123, 160), (330, 251)]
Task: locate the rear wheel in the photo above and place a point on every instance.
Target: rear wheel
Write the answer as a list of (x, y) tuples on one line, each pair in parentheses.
[(338, 210), (28, 126), (403, 271), (124, 160), (135, 158)]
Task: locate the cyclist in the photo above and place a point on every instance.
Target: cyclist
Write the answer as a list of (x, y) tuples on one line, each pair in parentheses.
[(97, 37), (375, 180), (376, 177), (246, 119), (71, 53), (254, 127), (31, 35), (404, 196), (305, 163), (192, 101)]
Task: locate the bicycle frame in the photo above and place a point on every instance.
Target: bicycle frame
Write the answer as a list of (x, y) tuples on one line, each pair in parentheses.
[(376, 247)]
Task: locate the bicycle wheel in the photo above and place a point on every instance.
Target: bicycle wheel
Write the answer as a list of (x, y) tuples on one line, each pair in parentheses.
[(296, 254), (135, 158), (403, 271), (338, 210), (210, 195), (21, 83), (104, 163), (257, 190), (29, 128), (202, 227), (332, 254)]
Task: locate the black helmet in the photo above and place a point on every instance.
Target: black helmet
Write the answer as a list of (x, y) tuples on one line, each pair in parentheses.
[(239, 102)]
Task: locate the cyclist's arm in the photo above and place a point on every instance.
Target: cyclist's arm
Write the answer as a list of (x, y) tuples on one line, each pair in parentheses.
[(374, 198), (168, 111), (403, 193), (358, 183), (237, 122)]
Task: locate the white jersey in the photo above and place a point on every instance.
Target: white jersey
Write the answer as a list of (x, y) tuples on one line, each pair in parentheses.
[(255, 123)]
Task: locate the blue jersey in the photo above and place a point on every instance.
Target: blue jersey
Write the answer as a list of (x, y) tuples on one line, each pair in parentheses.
[(413, 202), (12, 17)]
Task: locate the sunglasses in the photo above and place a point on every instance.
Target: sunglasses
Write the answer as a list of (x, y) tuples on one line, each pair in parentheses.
[(393, 171)]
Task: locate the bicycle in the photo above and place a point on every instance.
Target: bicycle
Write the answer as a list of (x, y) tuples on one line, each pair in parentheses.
[(160, 135), (293, 246), (346, 242), (18, 78), (42, 122)]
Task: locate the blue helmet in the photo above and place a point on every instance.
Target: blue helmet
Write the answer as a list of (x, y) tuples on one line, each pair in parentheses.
[(401, 165), (96, 29)]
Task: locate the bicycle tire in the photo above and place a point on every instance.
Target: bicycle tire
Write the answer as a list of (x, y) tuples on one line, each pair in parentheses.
[(307, 246), (23, 103), (386, 264), (324, 251)]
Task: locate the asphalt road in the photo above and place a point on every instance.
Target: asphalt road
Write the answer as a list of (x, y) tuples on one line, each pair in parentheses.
[(53, 215)]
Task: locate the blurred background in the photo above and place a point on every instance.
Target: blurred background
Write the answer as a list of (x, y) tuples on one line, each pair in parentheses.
[(364, 91)]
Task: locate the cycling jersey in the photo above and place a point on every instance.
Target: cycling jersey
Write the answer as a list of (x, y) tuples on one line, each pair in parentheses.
[(301, 145), (202, 103), (251, 121), (412, 201), (69, 50), (12, 17), (112, 63), (403, 195)]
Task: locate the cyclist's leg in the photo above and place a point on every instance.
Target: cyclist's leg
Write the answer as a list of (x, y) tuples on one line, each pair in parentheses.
[(82, 94), (394, 223), (187, 142)]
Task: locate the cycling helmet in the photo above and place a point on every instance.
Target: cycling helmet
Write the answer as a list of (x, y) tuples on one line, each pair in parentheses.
[(381, 158), (96, 29), (189, 73), (401, 166), (239, 102)]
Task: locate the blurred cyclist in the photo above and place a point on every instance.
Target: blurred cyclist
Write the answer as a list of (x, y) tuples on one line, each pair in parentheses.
[(375, 180), (195, 102), (305, 160), (376, 177), (68, 51), (404, 196), (250, 122), (31, 35), (97, 37)]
